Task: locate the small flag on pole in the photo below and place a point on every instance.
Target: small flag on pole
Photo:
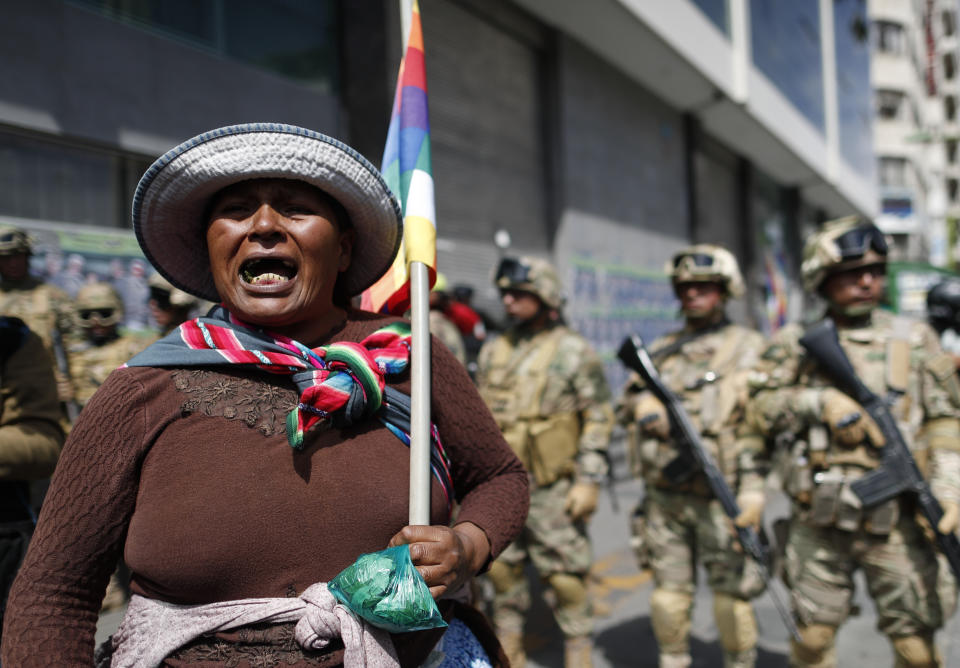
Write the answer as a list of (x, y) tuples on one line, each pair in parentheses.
[(407, 170)]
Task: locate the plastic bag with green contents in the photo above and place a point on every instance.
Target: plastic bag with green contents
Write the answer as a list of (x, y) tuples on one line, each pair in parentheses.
[(385, 589)]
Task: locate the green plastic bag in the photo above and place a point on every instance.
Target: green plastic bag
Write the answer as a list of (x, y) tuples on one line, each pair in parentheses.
[(385, 589)]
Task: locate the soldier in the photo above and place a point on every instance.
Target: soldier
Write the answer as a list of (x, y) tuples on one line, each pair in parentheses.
[(836, 442), (98, 313), (546, 388), (30, 439), (707, 364), (169, 306), (46, 309), (440, 325), (943, 313)]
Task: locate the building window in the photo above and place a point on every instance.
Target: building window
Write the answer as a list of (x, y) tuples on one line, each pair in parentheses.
[(786, 46), (889, 37), (893, 172), (952, 187), (951, 151), (949, 66), (950, 107), (949, 23), (61, 182), (889, 104), (297, 39)]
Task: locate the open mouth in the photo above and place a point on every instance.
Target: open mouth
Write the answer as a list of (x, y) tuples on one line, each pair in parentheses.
[(267, 271)]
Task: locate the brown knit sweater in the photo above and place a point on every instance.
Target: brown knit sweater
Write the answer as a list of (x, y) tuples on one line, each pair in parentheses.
[(187, 474)]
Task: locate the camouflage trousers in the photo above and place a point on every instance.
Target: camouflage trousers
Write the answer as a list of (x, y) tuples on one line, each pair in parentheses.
[(555, 545), (910, 583), (682, 530)]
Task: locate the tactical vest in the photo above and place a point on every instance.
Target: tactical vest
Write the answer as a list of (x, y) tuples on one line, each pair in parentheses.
[(703, 374), (823, 469), (90, 365), (34, 307), (513, 387)]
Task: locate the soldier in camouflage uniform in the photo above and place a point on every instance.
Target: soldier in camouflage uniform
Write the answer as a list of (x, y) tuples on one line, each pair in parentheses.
[(98, 313), (169, 306), (835, 442), (46, 309), (707, 365), (546, 388)]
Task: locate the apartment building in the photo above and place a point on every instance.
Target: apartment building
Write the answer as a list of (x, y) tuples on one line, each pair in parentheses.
[(916, 86)]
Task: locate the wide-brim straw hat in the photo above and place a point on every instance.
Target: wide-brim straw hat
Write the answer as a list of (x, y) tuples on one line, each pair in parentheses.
[(173, 196)]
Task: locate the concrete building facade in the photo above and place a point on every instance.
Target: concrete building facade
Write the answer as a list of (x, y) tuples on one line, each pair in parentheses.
[(603, 135)]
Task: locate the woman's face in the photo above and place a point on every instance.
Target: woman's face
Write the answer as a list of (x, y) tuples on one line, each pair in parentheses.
[(276, 250)]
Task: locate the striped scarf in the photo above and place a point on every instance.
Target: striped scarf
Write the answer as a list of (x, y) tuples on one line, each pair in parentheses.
[(344, 382)]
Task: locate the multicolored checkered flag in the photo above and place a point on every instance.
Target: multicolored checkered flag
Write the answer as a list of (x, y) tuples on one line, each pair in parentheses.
[(407, 170)]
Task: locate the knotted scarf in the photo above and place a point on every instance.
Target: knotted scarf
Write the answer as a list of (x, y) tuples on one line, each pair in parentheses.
[(343, 382), (151, 630)]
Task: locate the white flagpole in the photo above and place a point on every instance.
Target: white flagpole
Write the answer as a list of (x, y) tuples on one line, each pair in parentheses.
[(419, 361), (420, 394)]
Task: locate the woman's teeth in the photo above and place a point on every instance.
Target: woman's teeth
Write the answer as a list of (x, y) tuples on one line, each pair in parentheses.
[(267, 278)]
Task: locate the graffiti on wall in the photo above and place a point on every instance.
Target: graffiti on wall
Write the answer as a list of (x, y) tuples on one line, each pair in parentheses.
[(607, 302)]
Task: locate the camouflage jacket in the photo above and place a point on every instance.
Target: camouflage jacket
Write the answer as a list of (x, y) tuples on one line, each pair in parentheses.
[(43, 307), (30, 433), (550, 398), (709, 373), (787, 396), (91, 364)]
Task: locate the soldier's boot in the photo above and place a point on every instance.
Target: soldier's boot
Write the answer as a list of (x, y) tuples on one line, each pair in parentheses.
[(816, 647), (511, 600), (916, 652), (737, 626), (578, 652), (670, 614), (574, 616)]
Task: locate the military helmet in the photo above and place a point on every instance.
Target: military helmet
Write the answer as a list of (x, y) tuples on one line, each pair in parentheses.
[(707, 263), (14, 241), (943, 304), (532, 275), (168, 296), (842, 244), (98, 304)]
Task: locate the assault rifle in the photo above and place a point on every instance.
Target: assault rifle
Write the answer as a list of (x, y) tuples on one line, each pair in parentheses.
[(695, 459), (60, 356), (898, 472)]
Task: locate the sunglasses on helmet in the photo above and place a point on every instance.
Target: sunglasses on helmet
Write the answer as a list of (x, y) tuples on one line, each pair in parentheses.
[(855, 243), (512, 271), (86, 315), (699, 259)]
